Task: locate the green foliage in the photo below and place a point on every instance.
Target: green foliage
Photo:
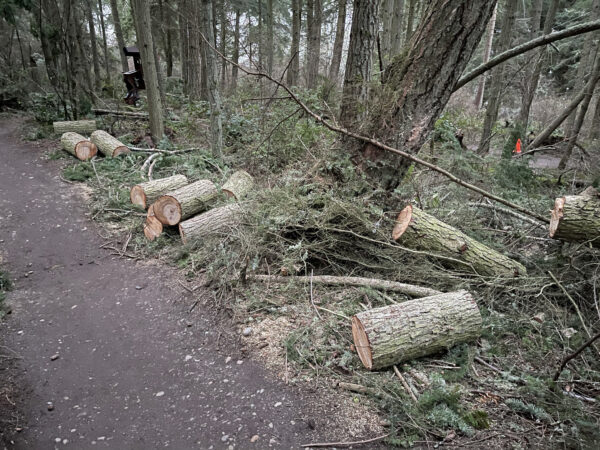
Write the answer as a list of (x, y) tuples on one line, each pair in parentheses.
[(79, 172), (477, 419), (527, 409), (45, 107)]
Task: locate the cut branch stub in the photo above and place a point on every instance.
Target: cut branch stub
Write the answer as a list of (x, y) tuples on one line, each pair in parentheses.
[(417, 229), (184, 202), (146, 193), (393, 334), (107, 144), (216, 221), (576, 218), (238, 185), (153, 227), (78, 146), (75, 126)]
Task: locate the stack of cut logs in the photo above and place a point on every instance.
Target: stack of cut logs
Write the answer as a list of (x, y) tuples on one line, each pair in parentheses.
[(74, 141), (174, 201)]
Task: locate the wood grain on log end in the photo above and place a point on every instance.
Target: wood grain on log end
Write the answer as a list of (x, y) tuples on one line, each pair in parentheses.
[(402, 222), (86, 150), (168, 210), (556, 215), (138, 196), (361, 343), (153, 227)]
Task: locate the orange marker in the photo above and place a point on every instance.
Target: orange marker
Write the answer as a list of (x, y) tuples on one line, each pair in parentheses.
[(518, 146)]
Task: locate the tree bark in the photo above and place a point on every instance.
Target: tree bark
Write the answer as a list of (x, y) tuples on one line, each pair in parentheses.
[(417, 229), (396, 32), (119, 34), (144, 194), (338, 45), (270, 48), (94, 45), (108, 145), (184, 202), (294, 70), (486, 57), (78, 146), (223, 42), (576, 218), (314, 18), (410, 19), (153, 227), (238, 185), (76, 126), (390, 335), (216, 221), (236, 50), (104, 43)]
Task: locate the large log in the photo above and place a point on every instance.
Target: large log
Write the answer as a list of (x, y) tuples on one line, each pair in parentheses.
[(392, 334), (108, 145), (238, 185), (184, 202), (216, 221), (75, 126), (417, 229), (153, 227), (78, 146), (144, 194), (576, 218)]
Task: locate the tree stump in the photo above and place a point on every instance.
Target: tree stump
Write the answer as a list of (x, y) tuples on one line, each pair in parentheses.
[(75, 126), (417, 229), (108, 145), (238, 185), (144, 194), (152, 227), (576, 218), (78, 146), (393, 334), (215, 221), (184, 202)]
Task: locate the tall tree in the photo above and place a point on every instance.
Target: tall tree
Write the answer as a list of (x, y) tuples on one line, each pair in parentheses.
[(410, 19), (294, 70), (338, 45), (114, 8), (93, 44), (269, 45), (396, 31), (314, 18), (223, 40), (236, 49), (104, 42), (486, 57)]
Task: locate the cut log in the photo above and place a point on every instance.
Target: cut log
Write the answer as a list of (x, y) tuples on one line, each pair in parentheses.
[(393, 334), (108, 145), (75, 126), (384, 285), (144, 194), (216, 221), (576, 218), (78, 146), (418, 230), (238, 185), (153, 227), (184, 202)]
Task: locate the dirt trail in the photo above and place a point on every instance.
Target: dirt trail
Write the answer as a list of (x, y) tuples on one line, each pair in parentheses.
[(131, 373)]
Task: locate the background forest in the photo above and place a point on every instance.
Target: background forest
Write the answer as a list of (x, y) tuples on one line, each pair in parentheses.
[(304, 96)]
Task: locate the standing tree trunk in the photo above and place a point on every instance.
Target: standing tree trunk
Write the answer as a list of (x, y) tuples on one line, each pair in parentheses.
[(223, 43), (486, 57), (119, 34), (236, 50), (314, 17), (396, 31), (594, 132), (95, 59), (358, 64), (146, 46), (410, 19), (184, 43), (294, 70), (104, 43), (338, 44), (386, 12), (270, 49)]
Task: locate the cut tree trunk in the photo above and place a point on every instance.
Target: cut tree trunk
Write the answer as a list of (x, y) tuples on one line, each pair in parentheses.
[(238, 184), (78, 146), (146, 193), (153, 227), (75, 126), (108, 145), (576, 218), (184, 202), (215, 221), (393, 334), (417, 229)]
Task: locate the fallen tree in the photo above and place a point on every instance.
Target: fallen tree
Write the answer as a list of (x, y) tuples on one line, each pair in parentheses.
[(152, 227), (75, 126), (78, 146), (238, 184), (417, 229), (126, 114), (213, 222), (576, 218), (107, 144), (184, 202), (393, 334), (144, 194)]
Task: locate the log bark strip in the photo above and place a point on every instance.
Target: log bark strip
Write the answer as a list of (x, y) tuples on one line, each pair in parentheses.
[(216, 221), (107, 144), (417, 229), (75, 126), (153, 227), (393, 334), (384, 285), (144, 194), (78, 146), (576, 218), (184, 202), (238, 185)]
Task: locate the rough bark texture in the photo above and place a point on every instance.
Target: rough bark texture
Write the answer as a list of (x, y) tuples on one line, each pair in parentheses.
[(78, 146), (216, 221), (236, 50), (153, 227), (184, 202), (294, 70), (75, 126), (119, 34), (393, 334), (417, 229), (396, 32), (146, 193), (238, 185), (486, 57), (336, 59), (384, 285), (576, 218), (314, 18), (108, 145), (94, 45)]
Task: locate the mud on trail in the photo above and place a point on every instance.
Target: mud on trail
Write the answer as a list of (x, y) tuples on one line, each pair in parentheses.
[(105, 353)]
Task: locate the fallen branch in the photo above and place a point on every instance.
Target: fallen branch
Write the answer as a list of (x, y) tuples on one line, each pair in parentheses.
[(345, 444), (405, 384), (573, 355), (562, 288), (108, 112), (510, 212), (160, 150), (148, 162)]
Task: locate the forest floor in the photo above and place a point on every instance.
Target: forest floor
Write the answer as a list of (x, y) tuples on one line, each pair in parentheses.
[(102, 350)]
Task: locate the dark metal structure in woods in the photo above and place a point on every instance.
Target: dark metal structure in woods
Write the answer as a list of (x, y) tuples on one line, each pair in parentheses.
[(133, 79)]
